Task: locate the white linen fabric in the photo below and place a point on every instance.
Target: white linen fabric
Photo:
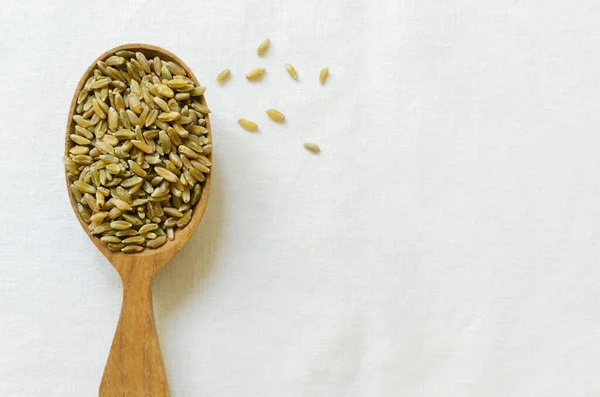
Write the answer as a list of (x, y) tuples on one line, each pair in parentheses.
[(444, 243)]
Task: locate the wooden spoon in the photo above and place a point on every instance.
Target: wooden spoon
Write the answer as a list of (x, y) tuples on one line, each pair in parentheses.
[(135, 366)]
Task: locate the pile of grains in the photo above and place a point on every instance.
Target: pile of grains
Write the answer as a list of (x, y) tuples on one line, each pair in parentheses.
[(139, 151)]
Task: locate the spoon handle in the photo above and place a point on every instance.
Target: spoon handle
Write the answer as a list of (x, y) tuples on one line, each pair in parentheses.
[(135, 366)]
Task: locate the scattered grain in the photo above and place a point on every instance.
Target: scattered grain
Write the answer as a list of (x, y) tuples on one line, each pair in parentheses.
[(313, 147), (255, 74), (248, 125), (275, 115), (292, 71), (323, 75), (263, 47), (223, 75)]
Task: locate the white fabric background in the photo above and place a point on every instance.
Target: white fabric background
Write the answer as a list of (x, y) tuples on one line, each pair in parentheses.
[(444, 243)]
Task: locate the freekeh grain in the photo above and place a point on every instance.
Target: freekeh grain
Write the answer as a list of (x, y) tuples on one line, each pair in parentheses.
[(248, 125), (312, 147), (291, 71), (275, 115), (263, 47), (223, 75), (323, 75), (124, 164), (255, 74)]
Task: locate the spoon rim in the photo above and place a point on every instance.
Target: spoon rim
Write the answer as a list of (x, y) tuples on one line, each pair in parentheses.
[(182, 236)]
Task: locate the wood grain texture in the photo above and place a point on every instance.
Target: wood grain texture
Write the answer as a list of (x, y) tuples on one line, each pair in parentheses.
[(135, 366)]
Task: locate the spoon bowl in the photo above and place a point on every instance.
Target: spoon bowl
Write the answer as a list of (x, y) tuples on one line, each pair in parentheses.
[(135, 366)]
